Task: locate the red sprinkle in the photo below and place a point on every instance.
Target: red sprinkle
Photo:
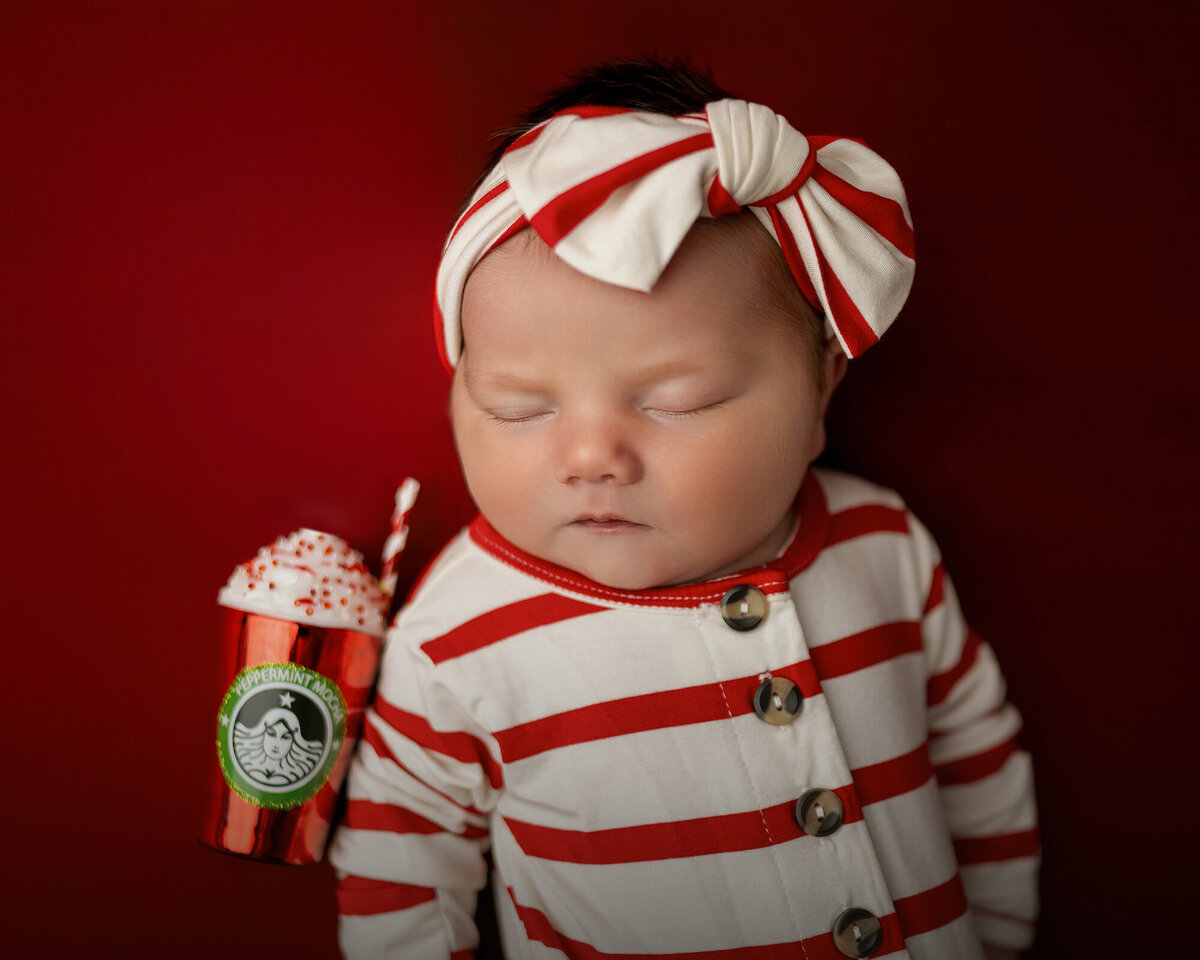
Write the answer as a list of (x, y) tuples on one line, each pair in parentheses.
[(309, 611), (326, 604), (251, 586), (270, 586)]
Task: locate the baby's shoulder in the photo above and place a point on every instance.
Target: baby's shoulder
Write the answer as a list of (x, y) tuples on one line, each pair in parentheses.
[(847, 491), (872, 515)]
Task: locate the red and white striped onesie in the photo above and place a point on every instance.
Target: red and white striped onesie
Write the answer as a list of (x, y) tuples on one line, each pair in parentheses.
[(635, 762)]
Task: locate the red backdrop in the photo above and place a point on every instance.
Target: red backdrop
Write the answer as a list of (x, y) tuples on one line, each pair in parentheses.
[(220, 224)]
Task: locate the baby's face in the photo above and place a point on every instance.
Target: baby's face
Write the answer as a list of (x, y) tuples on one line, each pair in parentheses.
[(639, 439)]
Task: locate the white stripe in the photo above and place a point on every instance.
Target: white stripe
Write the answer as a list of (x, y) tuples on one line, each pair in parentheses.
[(863, 168), (999, 804), (572, 150), (987, 733), (896, 690), (618, 778), (780, 895)]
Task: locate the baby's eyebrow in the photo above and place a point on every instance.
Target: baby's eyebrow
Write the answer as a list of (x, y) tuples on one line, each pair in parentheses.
[(499, 379)]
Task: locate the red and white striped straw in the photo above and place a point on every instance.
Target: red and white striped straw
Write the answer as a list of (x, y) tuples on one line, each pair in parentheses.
[(406, 496)]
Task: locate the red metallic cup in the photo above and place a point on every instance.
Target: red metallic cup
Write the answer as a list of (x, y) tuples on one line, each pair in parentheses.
[(294, 696)]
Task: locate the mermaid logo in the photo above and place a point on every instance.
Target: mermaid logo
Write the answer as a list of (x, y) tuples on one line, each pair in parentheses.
[(279, 731)]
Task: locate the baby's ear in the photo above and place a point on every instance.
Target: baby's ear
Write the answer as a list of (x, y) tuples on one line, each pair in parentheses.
[(834, 363)]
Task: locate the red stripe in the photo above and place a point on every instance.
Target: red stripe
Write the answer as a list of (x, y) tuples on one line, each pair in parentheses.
[(864, 520), (882, 214), (821, 947), (526, 138), (862, 650), (473, 208), (672, 840), (500, 624), (938, 687), (970, 769), (589, 110), (933, 908), (365, 815), (795, 262), (461, 746), (1003, 846), (937, 589), (720, 201), (363, 897), (856, 333), (891, 778), (649, 711), (565, 212), (374, 738)]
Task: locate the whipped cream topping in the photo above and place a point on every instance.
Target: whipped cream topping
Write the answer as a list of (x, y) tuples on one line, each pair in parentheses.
[(309, 577)]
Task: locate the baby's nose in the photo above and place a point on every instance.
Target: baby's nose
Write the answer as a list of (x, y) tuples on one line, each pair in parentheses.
[(594, 453)]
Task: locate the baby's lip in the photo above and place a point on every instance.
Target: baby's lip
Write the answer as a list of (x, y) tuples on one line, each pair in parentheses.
[(604, 521)]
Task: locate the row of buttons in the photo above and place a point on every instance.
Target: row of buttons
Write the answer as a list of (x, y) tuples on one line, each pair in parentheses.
[(778, 701)]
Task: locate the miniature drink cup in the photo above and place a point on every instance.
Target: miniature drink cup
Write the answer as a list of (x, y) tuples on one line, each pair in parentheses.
[(302, 630)]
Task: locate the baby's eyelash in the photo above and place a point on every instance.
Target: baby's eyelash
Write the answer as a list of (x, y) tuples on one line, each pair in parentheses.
[(686, 414), (513, 421)]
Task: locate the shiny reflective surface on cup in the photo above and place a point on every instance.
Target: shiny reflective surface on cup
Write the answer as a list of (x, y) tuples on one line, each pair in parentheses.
[(294, 698)]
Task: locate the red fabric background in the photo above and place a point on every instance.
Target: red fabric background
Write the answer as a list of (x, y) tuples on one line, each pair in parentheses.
[(220, 224)]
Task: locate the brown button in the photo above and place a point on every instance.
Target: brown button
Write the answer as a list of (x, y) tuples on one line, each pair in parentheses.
[(819, 812), (744, 607), (778, 701), (857, 932)]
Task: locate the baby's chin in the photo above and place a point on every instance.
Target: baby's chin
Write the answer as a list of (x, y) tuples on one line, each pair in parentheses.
[(636, 575)]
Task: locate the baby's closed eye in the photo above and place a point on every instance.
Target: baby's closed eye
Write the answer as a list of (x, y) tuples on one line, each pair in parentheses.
[(682, 412), (514, 416)]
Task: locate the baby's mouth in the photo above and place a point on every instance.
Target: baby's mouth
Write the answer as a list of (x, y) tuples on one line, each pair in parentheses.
[(605, 523)]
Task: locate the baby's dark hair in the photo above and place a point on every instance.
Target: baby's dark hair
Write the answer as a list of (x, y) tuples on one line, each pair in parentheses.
[(673, 87)]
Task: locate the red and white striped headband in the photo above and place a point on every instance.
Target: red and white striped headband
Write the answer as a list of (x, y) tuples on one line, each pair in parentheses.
[(614, 191)]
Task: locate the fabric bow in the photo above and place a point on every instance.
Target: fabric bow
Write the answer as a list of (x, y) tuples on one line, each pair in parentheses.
[(614, 192)]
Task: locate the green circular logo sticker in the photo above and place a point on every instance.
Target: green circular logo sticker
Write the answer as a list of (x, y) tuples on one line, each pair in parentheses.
[(279, 731)]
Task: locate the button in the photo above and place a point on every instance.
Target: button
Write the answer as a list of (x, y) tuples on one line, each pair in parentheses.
[(857, 932), (778, 701), (743, 607), (819, 812)]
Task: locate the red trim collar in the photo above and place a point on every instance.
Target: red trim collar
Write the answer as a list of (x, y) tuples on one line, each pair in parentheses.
[(811, 535)]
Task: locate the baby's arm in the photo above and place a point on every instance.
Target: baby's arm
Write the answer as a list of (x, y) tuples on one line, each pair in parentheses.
[(985, 778), (409, 852)]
